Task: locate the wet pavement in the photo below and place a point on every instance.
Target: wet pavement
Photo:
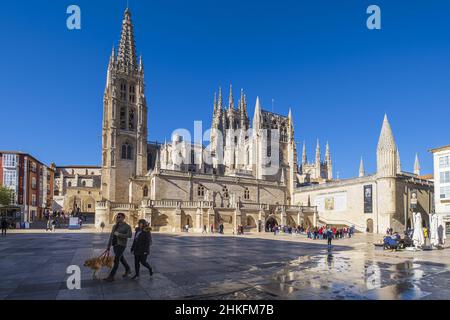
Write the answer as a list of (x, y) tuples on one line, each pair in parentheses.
[(189, 266)]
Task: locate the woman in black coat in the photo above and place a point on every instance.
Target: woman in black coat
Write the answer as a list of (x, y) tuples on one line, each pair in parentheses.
[(141, 247)]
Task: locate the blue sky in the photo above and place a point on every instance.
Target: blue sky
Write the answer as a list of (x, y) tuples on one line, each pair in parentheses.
[(316, 57)]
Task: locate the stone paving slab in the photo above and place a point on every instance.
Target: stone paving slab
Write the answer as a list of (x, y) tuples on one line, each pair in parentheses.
[(191, 266)]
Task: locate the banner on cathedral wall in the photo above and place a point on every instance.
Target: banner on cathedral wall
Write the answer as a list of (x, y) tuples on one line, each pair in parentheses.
[(368, 199), (332, 202)]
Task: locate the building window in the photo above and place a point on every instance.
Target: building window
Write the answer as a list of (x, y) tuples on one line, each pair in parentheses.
[(246, 194), (445, 192), (84, 183), (9, 178), (201, 190), (127, 151), (9, 160), (145, 192), (89, 206), (444, 162), (33, 167), (132, 93), (123, 116), (56, 193), (113, 159), (269, 143), (123, 90), (131, 120), (69, 184), (33, 183), (104, 159), (192, 157), (225, 192), (33, 200), (444, 177)]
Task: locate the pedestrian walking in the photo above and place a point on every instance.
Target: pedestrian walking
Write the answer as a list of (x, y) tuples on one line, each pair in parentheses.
[(53, 225), (4, 225), (120, 233), (141, 247), (102, 226), (204, 229), (329, 236)]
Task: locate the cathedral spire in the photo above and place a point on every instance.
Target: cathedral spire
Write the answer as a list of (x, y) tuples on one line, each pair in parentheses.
[(230, 98), (417, 165), (362, 172), (220, 100), (141, 64), (127, 52), (304, 157), (327, 153), (215, 102), (257, 115), (318, 151), (328, 162), (398, 162), (386, 151)]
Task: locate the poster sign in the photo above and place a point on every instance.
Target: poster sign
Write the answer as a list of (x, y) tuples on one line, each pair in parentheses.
[(413, 200), (368, 199)]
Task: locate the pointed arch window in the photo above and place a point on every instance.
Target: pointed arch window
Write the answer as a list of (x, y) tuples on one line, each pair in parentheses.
[(131, 120), (123, 90), (132, 92), (246, 194), (225, 192), (113, 159), (127, 151), (123, 118), (201, 190), (145, 191)]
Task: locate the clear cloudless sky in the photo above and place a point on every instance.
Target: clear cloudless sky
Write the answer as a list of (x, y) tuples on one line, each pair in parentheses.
[(315, 56)]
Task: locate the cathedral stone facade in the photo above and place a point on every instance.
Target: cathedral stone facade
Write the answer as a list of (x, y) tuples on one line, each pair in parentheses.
[(248, 175), (376, 202)]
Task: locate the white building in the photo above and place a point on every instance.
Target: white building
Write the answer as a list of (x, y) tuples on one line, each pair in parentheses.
[(441, 161)]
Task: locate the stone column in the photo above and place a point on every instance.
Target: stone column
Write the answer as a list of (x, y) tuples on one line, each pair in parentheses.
[(198, 220), (177, 221), (283, 216), (237, 219), (211, 218), (315, 219)]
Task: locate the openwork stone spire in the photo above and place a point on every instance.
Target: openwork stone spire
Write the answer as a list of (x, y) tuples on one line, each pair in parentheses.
[(126, 57), (362, 172), (386, 151), (304, 156), (386, 140), (417, 165)]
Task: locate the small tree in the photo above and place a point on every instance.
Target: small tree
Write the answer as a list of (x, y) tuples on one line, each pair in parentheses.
[(5, 196)]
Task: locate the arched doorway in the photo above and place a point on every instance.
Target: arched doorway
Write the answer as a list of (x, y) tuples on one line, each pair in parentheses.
[(160, 223), (251, 223), (369, 228), (270, 223), (187, 221)]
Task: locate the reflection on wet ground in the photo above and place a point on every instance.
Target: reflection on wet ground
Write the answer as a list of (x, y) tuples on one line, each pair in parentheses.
[(204, 267)]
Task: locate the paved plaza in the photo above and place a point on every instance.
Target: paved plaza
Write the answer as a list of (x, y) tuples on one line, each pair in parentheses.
[(192, 266)]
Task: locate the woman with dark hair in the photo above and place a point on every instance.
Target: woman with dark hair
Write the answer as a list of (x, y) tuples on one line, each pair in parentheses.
[(141, 247)]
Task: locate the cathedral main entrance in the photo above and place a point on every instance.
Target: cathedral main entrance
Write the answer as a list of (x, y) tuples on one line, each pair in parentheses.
[(270, 223)]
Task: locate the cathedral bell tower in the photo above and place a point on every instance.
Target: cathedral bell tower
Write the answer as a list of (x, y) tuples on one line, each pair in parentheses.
[(124, 133)]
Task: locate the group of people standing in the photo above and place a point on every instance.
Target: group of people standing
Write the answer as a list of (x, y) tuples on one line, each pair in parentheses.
[(140, 248), (327, 232)]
